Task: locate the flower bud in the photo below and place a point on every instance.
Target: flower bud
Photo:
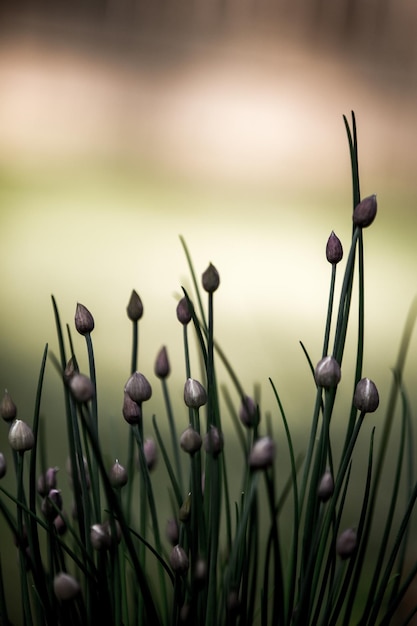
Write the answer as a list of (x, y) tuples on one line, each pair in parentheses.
[(195, 395), (132, 411), (60, 525), (118, 475), (366, 397), (3, 465), (162, 367), (172, 531), (327, 373), (135, 307), (200, 570), (190, 440), (21, 437), (65, 586), (84, 321), (210, 279), (47, 481), (150, 453), (8, 409), (100, 537), (51, 503), (82, 388), (179, 560), (213, 441), (138, 388), (248, 412), (262, 454), (346, 543), (185, 510), (334, 250), (70, 370), (365, 212), (326, 486), (183, 311)]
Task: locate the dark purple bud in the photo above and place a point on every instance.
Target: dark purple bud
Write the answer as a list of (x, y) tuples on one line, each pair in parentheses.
[(47, 481), (179, 560), (248, 412), (65, 586), (138, 388), (210, 279), (132, 411), (183, 311), (334, 250), (172, 531), (82, 388), (162, 367), (52, 504), (346, 543), (84, 321), (8, 409), (365, 212), (150, 453), (213, 441), (118, 475), (190, 440), (366, 397), (326, 486), (327, 373), (195, 395), (262, 454), (135, 307)]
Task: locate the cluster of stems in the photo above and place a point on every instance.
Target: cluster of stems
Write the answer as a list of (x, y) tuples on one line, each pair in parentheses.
[(108, 558)]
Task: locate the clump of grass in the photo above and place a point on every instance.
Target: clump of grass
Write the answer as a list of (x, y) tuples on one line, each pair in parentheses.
[(224, 558)]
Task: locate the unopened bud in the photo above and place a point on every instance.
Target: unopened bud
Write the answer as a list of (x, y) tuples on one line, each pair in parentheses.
[(118, 475), (100, 537), (190, 440), (21, 437), (3, 465), (138, 388), (179, 560), (82, 388), (366, 397), (183, 311), (162, 367), (65, 586), (365, 212), (334, 250), (132, 411), (185, 510), (47, 481), (60, 525), (8, 409), (70, 370), (248, 412), (327, 373), (346, 543), (210, 279), (326, 486), (52, 504), (172, 531), (195, 395), (135, 307), (84, 321), (150, 453), (213, 441), (262, 454)]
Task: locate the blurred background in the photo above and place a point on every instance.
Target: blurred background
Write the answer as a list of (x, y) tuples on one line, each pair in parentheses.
[(125, 124)]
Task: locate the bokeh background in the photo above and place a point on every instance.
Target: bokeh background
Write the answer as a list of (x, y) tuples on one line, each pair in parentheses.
[(126, 124)]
